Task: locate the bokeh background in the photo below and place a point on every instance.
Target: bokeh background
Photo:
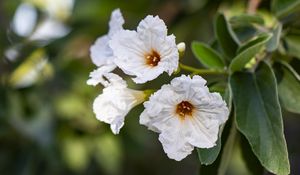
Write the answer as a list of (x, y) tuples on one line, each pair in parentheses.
[(46, 121)]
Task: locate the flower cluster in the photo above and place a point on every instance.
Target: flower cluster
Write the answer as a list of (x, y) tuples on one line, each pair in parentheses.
[(184, 112)]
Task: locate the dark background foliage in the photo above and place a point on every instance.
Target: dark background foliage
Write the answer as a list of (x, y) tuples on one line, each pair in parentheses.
[(46, 123)]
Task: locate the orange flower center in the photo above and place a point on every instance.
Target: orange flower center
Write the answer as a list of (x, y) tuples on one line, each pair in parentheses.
[(184, 109), (153, 58)]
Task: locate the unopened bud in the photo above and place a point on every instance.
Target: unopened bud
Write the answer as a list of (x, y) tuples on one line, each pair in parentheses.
[(181, 47)]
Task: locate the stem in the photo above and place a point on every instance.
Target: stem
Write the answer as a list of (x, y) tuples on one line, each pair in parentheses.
[(202, 71), (148, 93), (252, 6)]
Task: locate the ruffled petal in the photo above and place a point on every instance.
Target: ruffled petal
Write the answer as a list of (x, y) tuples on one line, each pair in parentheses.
[(153, 25), (101, 53), (169, 54), (174, 142), (204, 131), (98, 76), (116, 22)]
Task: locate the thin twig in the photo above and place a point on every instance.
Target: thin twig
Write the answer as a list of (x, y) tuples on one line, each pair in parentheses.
[(202, 71), (252, 6)]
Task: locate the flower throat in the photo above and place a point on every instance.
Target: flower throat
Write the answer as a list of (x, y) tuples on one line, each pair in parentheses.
[(153, 58)]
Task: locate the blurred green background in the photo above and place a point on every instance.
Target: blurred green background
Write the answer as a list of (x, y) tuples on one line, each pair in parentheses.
[(47, 125)]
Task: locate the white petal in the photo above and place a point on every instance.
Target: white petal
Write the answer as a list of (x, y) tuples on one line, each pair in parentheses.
[(153, 25), (116, 22), (114, 103), (169, 54), (173, 136), (24, 19), (180, 135), (49, 29), (174, 143), (204, 131), (99, 75), (101, 53), (147, 74)]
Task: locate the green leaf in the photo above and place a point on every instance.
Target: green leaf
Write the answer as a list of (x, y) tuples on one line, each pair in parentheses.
[(246, 19), (258, 117), (207, 56), (225, 36), (245, 33), (284, 7), (248, 51), (288, 87), (252, 163), (273, 43), (293, 45), (227, 150)]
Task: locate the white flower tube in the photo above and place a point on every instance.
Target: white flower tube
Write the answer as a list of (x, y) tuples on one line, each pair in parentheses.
[(116, 101), (147, 52), (186, 115)]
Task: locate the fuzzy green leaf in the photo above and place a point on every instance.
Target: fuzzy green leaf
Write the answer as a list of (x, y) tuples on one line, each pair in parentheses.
[(293, 45), (228, 150), (248, 51), (252, 163), (273, 43), (207, 56), (258, 117), (246, 20), (225, 36), (284, 7), (288, 87)]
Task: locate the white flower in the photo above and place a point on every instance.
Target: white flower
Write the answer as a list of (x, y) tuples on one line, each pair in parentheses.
[(116, 101), (186, 115), (147, 52), (101, 53)]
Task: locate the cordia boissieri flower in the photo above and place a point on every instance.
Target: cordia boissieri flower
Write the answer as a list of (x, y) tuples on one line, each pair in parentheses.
[(101, 53), (186, 115), (116, 101), (147, 52)]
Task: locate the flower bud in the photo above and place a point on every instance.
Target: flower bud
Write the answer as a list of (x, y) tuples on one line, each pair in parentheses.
[(181, 49)]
